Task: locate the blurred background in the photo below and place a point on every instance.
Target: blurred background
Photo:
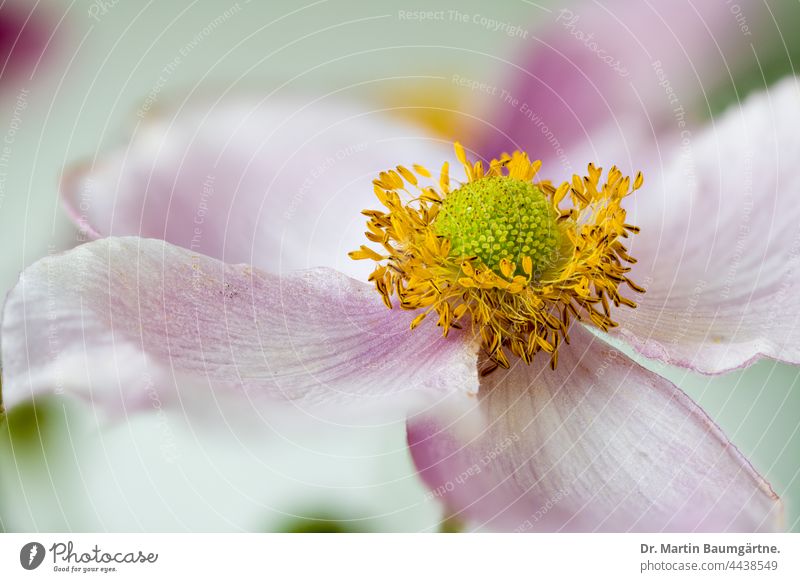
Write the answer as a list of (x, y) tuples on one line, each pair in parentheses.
[(75, 74)]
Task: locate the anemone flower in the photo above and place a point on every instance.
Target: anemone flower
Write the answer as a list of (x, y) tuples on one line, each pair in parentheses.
[(480, 302)]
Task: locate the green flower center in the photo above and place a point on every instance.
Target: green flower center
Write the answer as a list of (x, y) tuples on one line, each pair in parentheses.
[(498, 217)]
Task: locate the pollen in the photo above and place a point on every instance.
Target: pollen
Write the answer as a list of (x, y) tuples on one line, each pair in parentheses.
[(515, 259)]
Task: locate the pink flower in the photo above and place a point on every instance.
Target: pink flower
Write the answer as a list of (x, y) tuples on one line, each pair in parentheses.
[(245, 192), (26, 34)]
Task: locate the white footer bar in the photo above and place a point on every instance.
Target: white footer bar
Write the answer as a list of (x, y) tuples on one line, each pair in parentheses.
[(382, 557)]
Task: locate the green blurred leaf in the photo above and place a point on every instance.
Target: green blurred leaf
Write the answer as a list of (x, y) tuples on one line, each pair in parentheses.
[(321, 524)]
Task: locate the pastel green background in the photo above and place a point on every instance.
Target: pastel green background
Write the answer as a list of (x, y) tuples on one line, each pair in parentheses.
[(56, 474)]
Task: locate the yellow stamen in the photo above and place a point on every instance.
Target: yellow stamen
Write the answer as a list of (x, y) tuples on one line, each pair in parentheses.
[(501, 249)]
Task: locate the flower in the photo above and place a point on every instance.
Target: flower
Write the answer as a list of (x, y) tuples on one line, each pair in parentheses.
[(25, 35), (599, 443), (500, 251)]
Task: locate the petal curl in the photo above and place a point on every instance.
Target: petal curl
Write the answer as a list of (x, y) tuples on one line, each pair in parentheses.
[(125, 321), (718, 252), (278, 183), (599, 444)]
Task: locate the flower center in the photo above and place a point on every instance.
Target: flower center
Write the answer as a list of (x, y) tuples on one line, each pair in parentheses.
[(497, 218), (502, 251)]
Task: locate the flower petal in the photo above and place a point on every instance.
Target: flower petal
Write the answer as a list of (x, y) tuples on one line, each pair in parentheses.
[(618, 67), (276, 183), (718, 251), (124, 321), (248, 470), (26, 34), (599, 444)]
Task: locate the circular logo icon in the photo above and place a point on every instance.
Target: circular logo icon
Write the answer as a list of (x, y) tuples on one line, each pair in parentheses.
[(31, 555)]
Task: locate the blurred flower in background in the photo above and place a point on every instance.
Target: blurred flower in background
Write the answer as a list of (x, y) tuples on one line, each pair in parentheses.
[(26, 33), (608, 82)]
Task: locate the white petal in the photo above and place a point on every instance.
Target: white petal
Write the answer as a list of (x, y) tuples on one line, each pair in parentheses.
[(718, 251), (123, 321), (277, 183)]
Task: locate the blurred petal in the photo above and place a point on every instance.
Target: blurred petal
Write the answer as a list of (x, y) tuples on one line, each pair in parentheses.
[(599, 444), (170, 471), (718, 251), (123, 322), (618, 68), (25, 33), (276, 183)]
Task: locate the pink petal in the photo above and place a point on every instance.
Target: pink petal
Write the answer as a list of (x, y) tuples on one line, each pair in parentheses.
[(278, 183), (617, 67), (718, 252), (25, 33), (125, 321), (599, 444)]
